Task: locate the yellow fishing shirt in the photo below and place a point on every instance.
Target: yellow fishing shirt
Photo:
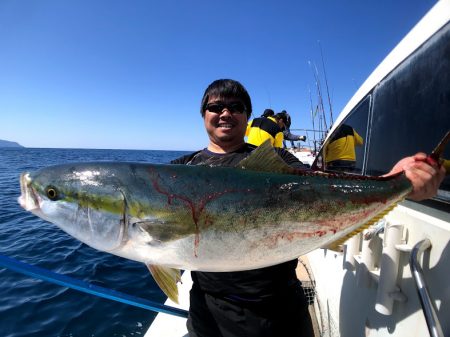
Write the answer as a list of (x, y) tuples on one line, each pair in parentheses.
[(260, 129), (342, 145)]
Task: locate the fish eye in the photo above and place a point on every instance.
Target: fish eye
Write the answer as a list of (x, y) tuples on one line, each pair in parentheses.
[(52, 193)]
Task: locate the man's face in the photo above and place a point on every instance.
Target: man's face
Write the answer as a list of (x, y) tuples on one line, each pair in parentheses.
[(225, 124)]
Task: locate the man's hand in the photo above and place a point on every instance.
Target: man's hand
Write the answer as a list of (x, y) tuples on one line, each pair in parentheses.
[(425, 175), (303, 138)]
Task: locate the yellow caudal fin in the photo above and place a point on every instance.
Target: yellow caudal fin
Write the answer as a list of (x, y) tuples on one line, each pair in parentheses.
[(437, 154), (439, 150), (336, 244), (446, 164), (167, 279)]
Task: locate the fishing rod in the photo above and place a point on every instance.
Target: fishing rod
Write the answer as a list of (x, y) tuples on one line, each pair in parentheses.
[(313, 117), (326, 84), (319, 93), (89, 288)]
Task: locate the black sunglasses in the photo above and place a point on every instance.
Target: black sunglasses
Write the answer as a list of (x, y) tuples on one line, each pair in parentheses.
[(234, 108)]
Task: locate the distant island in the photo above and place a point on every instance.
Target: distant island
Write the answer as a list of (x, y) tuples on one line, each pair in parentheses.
[(7, 143)]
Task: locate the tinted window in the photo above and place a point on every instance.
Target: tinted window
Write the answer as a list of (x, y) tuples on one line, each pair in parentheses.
[(411, 108), (344, 149)]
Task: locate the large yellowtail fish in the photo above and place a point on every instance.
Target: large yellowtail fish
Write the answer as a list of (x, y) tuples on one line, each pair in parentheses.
[(172, 217)]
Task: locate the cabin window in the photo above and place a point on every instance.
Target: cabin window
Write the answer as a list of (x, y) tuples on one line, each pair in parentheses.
[(345, 148), (411, 108)]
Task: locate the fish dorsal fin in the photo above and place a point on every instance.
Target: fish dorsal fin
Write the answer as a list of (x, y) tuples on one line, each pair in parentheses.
[(335, 245), (265, 159), (167, 279)]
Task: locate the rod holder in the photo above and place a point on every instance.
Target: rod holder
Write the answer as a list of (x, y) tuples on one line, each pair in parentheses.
[(370, 259), (352, 248), (388, 291)]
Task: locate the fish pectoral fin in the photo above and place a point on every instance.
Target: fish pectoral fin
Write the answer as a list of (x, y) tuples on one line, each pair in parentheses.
[(165, 231), (265, 159), (167, 279)]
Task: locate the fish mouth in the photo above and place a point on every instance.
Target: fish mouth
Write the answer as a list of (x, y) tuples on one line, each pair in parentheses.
[(29, 199)]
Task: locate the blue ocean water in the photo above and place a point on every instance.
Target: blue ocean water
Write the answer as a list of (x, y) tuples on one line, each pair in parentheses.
[(31, 307)]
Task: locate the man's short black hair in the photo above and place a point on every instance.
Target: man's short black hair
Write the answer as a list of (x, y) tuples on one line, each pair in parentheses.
[(227, 89)]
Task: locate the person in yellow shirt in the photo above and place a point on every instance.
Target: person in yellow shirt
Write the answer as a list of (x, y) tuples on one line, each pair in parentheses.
[(340, 153), (266, 128)]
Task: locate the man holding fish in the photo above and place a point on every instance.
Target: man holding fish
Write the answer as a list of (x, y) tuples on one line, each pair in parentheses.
[(266, 301)]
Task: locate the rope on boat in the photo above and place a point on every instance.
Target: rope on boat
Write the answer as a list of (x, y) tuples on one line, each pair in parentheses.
[(89, 288)]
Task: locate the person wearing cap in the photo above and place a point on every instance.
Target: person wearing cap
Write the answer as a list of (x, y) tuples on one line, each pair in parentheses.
[(287, 135), (268, 113), (266, 127)]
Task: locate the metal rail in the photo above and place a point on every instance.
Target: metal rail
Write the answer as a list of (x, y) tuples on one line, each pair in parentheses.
[(89, 288), (434, 327)]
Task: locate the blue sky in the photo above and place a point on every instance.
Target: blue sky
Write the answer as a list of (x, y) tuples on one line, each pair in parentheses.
[(130, 74)]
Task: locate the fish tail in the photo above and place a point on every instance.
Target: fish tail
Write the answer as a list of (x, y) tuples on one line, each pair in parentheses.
[(436, 155), (446, 164), (432, 159)]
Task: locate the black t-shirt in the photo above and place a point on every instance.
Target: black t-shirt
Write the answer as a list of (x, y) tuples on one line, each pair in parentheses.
[(206, 157), (252, 284)]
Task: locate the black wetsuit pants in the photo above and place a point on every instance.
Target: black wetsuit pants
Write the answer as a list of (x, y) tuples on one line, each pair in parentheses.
[(284, 316)]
